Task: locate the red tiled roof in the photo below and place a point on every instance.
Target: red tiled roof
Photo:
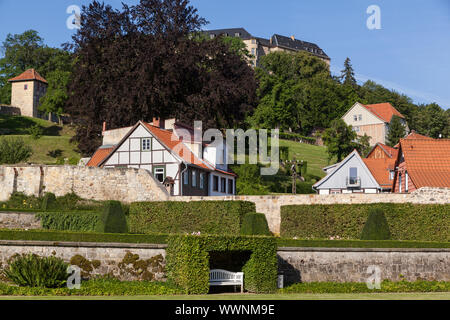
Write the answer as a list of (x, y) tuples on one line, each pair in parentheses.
[(98, 156), (384, 111), (414, 135), (29, 74), (427, 161), (390, 151), (380, 170), (173, 143)]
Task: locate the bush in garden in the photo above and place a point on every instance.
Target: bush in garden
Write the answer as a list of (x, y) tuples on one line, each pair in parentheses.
[(112, 219), (33, 271), (376, 227), (255, 224), (14, 150)]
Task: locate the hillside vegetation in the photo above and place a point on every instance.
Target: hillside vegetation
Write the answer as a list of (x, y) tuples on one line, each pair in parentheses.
[(51, 147)]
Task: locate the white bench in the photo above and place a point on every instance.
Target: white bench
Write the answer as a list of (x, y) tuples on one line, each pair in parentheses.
[(219, 277)]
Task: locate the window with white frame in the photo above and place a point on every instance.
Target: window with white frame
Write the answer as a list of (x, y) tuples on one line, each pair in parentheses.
[(360, 117), (355, 117), (160, 173), (194, 178), (146, 144)]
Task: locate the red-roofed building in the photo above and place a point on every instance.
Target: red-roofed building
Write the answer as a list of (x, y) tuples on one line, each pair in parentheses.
[(382, 151), (27, 88), (422, 163), (373, 120), (173, 155)]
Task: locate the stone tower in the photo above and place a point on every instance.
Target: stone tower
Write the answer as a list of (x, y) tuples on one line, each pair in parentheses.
[(27, 89)]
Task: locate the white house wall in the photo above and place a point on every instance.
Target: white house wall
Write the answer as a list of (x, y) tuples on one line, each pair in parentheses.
[(211, 184), (129, 154), (337, 179), (367, 116)]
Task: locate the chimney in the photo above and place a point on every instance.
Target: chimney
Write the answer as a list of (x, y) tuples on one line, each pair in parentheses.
[(155, 122), (293, 38), (104, 127)]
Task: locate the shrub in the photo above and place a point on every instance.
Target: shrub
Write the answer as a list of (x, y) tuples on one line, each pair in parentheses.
[(14, 150), (210, 217), (250, 181), (255, 224), (423, 222), (73, 221), (361, 287), (19, 200), (34, 271), (188, 261), (35, 131), (376, 227), (49, 201), (112, 219)]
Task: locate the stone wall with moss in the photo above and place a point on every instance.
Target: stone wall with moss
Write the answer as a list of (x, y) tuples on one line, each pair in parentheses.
[(121, 260)]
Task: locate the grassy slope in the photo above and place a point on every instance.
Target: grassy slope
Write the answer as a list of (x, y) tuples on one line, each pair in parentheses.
[(55, 137)]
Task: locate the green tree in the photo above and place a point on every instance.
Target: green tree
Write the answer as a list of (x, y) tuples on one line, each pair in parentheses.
[(363, 145), (348, 75), (250, 181), (14, 150), (339, 139), (396, 131)]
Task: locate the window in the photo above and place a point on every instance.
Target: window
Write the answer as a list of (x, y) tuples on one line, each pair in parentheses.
[(391, 175), (215, 183), (355, 117), (399, 182), (186, 177), (253, 41), (230, 186), (356, 129), (212, 35), (253, 51), (159, 173), (146, 144), (223, 185), (25, 87), (237, 34), (353, 179), (202, 180), (406, 181), (194, 178), (360, 117)]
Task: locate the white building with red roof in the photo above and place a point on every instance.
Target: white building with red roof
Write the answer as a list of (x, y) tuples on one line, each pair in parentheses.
[(172, 153), (373, 120)]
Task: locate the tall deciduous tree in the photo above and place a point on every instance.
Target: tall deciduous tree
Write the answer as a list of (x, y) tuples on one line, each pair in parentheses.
[(144, 61), (339, 139)]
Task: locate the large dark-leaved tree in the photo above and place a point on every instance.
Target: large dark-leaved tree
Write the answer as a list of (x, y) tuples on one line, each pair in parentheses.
[(146, 61)]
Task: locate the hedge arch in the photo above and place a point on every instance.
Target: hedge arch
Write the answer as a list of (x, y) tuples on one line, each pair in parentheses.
[(188, 261)]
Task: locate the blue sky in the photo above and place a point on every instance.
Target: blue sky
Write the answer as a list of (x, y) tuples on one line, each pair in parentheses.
[(410, 53)]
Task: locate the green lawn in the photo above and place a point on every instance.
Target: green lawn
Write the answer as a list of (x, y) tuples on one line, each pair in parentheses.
[(55, 138), (249, 296)]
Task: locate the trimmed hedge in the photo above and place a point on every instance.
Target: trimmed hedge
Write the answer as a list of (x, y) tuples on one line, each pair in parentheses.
[(208, 217), (424, 222), (96, 287), (255, 224), (68, 236), (376, 226), (188, 261), (283, 242), (361, 287), (112, 219), (72, 221)]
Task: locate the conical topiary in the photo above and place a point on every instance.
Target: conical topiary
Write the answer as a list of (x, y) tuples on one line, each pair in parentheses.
[(376, 227), (112, 219), (255, 224)]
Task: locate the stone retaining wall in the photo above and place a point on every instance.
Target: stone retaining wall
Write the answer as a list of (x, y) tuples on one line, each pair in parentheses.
[(19, 220), (350, 264), (122, 260)]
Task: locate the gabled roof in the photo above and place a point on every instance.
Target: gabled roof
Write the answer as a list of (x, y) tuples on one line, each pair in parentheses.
[(354, 153), (99, 155), (427, 161), (29, 74), (414, 135), (380, 170), (384, 111), (389, 151)]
